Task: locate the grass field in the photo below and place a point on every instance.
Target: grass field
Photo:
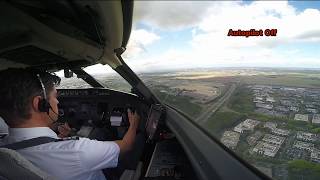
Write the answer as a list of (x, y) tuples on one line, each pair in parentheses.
[(223, 120), (184, 104), (294, 80), (301, 169), (241, 100)]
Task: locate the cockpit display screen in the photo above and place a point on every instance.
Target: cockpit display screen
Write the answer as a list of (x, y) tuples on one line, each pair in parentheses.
[(153, 120)]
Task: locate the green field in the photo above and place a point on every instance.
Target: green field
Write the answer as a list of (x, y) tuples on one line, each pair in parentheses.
[(223, 120), (241, 100), (301, 169), (182, 103), (294, 80)]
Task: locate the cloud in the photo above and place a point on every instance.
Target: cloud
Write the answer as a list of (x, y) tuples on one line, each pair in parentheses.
[(313, 35), (139, 39), (291, 26), (210, 45), (170, 15)]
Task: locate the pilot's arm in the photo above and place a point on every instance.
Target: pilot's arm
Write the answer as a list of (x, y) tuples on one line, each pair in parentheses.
[(128, 140), (97, 155), (64, 130)]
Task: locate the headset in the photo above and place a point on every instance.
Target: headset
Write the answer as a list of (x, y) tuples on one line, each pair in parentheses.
[(44, 105)]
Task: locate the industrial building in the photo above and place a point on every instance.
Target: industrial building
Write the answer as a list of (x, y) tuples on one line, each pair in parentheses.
[(230, 139), (247, 125), (301, 117)]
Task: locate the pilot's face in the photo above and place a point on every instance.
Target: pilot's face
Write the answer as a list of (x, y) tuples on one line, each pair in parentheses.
[(54, 104)]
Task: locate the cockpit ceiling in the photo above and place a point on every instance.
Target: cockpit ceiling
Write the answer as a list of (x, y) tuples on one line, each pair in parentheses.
[(48, 33)]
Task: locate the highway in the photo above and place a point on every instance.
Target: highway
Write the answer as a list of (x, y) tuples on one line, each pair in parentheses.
[(203, 118)]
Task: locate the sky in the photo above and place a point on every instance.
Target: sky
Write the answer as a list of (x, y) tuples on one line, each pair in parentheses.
[(169, 35)]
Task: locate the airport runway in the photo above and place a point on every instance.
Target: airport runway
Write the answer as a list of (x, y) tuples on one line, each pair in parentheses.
[(203, 118)]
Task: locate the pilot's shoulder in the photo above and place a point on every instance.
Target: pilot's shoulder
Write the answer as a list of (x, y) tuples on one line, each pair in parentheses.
[(81, 144), (62, 144)]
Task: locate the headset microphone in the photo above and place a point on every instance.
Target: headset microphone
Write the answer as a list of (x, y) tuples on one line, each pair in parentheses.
[(59, 114)]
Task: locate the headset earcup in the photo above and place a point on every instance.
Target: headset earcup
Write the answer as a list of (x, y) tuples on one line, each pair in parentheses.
[(44, 106), (47, 106)]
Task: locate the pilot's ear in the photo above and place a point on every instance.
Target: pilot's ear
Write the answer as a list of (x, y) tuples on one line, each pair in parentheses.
[(35, 103)]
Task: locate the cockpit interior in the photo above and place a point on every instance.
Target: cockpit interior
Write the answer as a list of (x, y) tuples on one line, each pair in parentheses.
[(71, 35), (101, 114)]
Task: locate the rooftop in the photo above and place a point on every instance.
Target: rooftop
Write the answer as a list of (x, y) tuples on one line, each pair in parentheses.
[(282, 132), (270, 125), (306, 136), (315, 154), (273, 139), (301, 117), (246, 125), (230, 139), (303, 145), (266, 149), (316, 119)]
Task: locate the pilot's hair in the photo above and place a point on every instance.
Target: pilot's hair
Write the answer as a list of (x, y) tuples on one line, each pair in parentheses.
[(18, 87)]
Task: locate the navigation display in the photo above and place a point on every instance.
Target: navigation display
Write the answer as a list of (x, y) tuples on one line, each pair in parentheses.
[(153, 120)]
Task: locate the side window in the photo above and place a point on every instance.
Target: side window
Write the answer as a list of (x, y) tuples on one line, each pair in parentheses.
[(72, 83), (108, 77), (103, 73)]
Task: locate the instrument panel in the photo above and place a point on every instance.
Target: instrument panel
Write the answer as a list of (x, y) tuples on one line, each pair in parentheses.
[(107, 109), (87, 92)]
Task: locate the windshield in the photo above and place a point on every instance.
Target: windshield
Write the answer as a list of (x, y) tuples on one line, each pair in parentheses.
[(248, 72)]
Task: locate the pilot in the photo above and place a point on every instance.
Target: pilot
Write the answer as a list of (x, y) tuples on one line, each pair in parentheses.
[(29, 106)]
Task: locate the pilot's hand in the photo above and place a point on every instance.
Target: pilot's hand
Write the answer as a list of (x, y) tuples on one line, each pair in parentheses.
[(134, 119), (64, 130)]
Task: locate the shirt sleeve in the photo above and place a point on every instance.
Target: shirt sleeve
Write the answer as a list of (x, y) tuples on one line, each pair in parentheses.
[(97, 155)]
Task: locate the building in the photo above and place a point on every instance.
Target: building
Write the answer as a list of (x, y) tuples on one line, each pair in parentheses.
[(281, 132), (258, 101), (309, 105), (303, 145), (286, 102), (311, 110), (247, 125), (258, 98), (316, 119), (282, 108), (305, 136), (230, 139), (272, 139), (294, 108), (270, 99), (266, 149), (301, 117), (265, 106), (252, 139), (289, 89), (315, 155), (301, 90), (270, 125)]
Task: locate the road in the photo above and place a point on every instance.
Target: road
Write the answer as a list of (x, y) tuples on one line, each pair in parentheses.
[(203, 118)]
